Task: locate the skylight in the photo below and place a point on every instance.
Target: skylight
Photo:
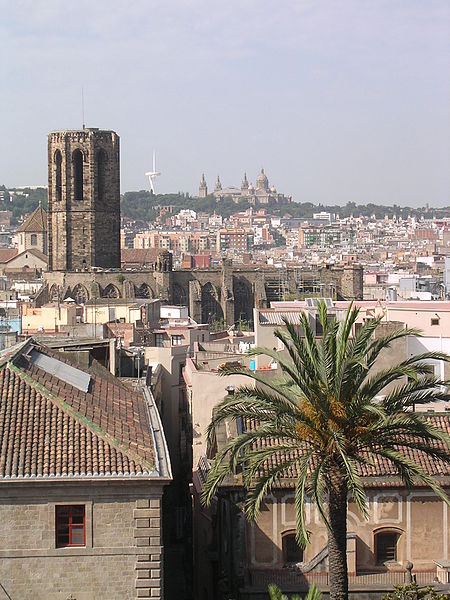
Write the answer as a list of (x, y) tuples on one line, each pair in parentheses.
[(61, 370)]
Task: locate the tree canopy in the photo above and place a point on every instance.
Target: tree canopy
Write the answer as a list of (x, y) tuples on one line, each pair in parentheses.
[(328, 422)]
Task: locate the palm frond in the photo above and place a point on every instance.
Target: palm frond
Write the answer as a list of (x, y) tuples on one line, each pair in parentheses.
[(324, 423), (409, 472)]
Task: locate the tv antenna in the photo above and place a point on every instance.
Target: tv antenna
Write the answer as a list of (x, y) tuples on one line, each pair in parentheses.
[(153, 174), (82, 107)]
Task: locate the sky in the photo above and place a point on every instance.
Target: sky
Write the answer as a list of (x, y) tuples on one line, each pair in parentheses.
[(339, 100)]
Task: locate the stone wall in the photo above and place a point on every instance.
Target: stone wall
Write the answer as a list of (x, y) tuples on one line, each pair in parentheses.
[(418, 517), (83, 200), (228, 293), (122, 558)]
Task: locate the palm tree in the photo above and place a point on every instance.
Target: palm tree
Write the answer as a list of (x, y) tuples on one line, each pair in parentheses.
[(275, 594), (326, 421)]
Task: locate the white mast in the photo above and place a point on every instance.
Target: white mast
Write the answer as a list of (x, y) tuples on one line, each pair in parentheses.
[(153, 174)]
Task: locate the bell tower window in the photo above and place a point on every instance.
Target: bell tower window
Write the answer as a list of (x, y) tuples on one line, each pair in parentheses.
[(58, 175), (77, 160)]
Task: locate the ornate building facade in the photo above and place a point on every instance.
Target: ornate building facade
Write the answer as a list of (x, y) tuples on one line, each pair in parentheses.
[(260, 193)]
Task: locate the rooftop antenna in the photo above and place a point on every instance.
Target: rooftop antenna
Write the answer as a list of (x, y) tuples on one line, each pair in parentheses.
[(82, 106), (153, 174)]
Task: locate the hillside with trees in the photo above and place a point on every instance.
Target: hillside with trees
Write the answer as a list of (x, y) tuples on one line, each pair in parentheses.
[(145, 206), (21, 202)]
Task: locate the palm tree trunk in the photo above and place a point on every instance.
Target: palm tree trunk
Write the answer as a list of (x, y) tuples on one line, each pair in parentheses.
[(337, 539)]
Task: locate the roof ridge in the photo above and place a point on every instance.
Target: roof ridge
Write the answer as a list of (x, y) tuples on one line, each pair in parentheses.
[(36, 221), (12, 352), (85, 421)]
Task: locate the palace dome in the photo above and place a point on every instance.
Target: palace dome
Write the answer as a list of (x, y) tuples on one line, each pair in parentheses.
[(262, 183)]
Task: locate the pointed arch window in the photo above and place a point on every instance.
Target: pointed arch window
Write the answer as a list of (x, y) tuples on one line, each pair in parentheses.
[(77, 160), (58, 175)]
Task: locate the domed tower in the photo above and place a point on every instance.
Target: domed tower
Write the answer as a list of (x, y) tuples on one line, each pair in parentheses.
[(262, 183), (218, 186), (203, 188)]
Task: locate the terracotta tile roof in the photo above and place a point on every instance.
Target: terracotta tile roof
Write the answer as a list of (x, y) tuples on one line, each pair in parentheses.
[(7, 254), (51, 428), (271, 317), (138, 256), (35, 223), (33, 251), (37, 253), (381, 468)]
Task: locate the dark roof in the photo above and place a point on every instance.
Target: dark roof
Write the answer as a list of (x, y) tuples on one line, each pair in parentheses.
[(35, 223), (51, 428)]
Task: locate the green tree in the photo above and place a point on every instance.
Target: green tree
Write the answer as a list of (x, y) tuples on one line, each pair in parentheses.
[(411, 591), (324, 422), (276, 594), (217, 325)]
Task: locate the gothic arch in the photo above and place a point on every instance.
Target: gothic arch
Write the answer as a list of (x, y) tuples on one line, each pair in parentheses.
[(243, 300), (77, 165), (211, 309), (143, 291), (179, 295), (58, 175), (53, 294), (80, 294), (111, 291)]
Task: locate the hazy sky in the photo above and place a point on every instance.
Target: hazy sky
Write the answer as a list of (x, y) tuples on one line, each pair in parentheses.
[(338, 100)]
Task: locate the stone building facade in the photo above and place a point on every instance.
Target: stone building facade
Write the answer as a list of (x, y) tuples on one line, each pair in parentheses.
[(239, 559), (83, 200), (227, 293), (122, 554), (83, 465), (32, 234)]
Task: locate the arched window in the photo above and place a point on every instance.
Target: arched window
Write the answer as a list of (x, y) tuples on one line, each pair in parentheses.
[(58, 176), (33, 239), (292, 553), (386, 543), (77, 161), (101, 174)]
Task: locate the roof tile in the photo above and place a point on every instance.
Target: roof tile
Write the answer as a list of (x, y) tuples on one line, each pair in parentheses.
[(35, 223), (48, 428)]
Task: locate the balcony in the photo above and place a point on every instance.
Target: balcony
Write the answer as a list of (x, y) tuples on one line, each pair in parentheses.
[(293, 580)]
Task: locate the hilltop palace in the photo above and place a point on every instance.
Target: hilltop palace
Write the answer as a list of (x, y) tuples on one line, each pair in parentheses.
[(260, 193)]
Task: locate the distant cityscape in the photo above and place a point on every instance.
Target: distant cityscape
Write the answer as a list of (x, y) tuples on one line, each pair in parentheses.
[(118, 316)]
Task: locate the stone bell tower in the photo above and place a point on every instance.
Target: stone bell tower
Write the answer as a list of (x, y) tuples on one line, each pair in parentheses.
[(83, 200)]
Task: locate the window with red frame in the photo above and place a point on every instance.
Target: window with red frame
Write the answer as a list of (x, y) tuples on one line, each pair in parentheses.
[(70, 526)]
